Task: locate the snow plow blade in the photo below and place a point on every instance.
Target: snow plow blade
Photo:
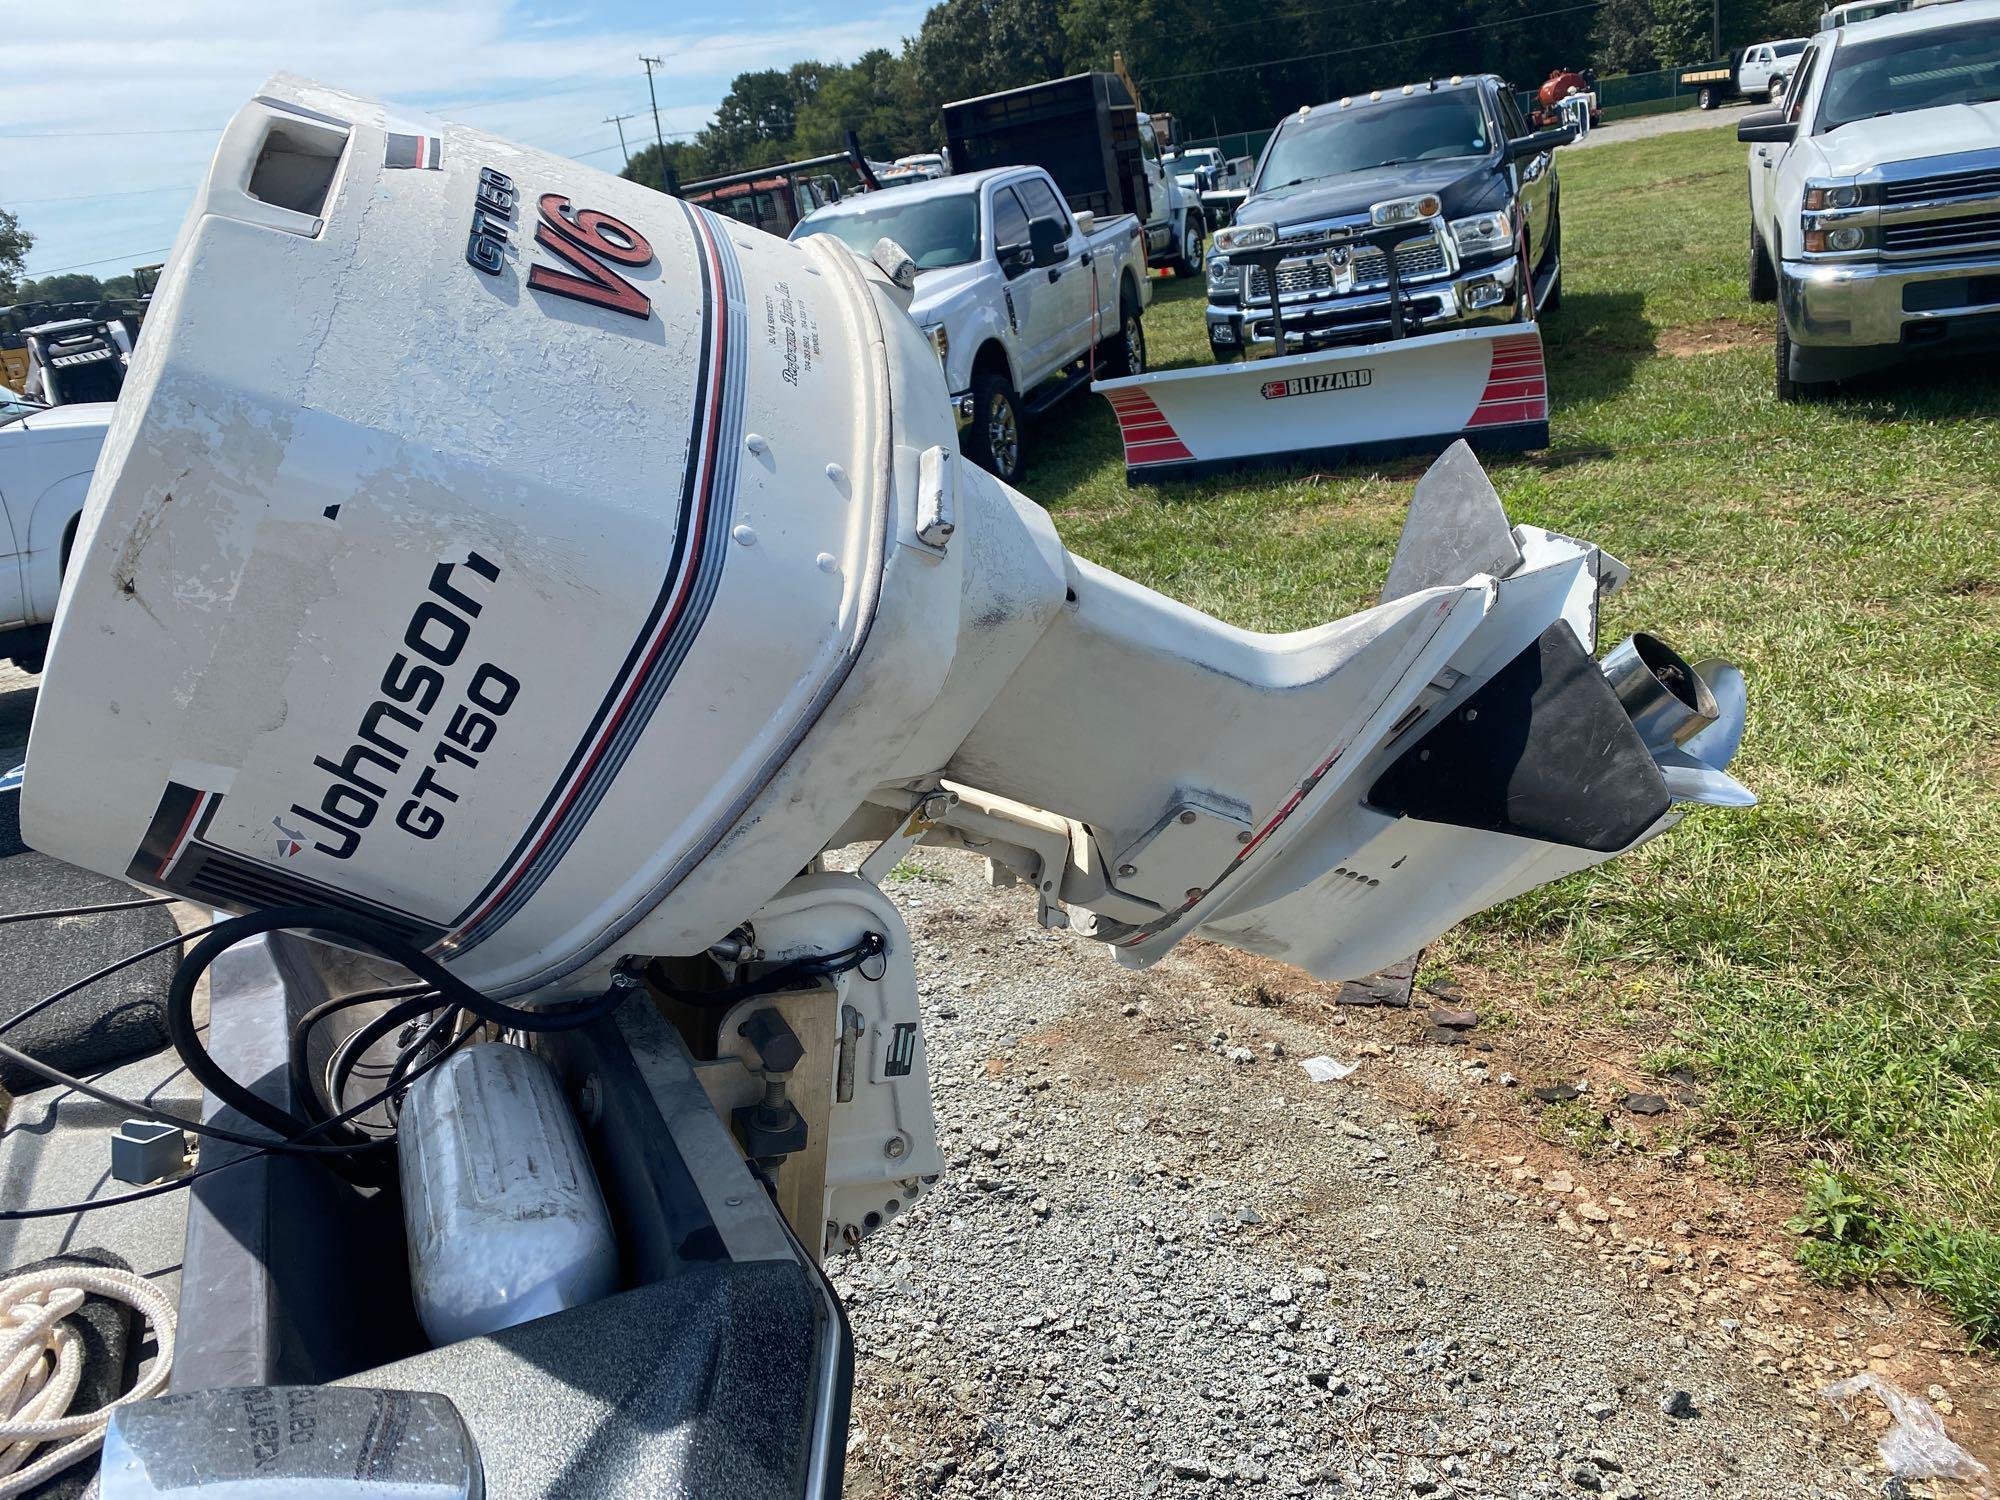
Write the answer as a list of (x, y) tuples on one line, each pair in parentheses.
[(1335, 406)]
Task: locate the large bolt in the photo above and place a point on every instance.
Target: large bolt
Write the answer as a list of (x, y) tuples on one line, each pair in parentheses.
[(894, 1147), (1128, 869)]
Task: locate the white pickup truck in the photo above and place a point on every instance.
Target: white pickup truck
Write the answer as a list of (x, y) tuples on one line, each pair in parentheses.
[(1875, 196), (1022, 299), (46, 458)]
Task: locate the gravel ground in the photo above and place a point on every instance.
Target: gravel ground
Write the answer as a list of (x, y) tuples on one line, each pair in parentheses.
[(1648, 126), (1162, 1262)]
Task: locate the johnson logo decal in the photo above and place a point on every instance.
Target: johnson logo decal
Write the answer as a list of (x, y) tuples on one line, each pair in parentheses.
[(1309, 385)]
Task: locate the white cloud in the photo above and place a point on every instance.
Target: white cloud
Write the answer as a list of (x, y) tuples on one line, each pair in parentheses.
[(189, 64)]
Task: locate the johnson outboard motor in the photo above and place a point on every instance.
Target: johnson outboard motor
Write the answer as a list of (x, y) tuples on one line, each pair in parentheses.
[(511, 577)]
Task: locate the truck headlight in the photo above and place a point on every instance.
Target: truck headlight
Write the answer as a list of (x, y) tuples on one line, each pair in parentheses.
[(1405, 210), (1482, 234), (941, 342), (1824, 193), (1220, 273), (1844, 238), (1246, 237)]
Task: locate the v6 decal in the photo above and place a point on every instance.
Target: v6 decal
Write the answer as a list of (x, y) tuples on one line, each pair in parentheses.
[(591, 243)]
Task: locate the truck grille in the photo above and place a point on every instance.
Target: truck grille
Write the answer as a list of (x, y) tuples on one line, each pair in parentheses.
[(1415, 260), (1975, 184), (1946, 235)]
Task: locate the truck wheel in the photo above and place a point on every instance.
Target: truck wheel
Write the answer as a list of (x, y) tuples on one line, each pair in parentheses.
[(1707, 98), (1763, 279), (1193, 237), (995, 439), (1776, 92), (1126, 354)]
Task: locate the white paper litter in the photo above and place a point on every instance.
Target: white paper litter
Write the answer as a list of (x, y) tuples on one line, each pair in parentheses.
[(1326, 1070)]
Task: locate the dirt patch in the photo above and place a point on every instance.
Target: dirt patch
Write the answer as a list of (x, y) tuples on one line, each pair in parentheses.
[(1716, 336), (1679, 1205)]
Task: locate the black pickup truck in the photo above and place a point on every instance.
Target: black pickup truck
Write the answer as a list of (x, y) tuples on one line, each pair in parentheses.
[(1456, 158)]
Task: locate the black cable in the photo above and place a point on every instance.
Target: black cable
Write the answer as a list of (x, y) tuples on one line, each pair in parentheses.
[(15, 1215), (298, 1054), (790, 975), (104, 973), (83, 911), (351, 1051), (355, 931)]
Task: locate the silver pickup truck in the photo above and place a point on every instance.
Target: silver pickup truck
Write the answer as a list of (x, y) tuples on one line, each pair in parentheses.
[(1875, 195), (1020, 297)]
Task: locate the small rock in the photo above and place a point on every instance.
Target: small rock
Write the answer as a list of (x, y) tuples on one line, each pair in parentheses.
[(1679, 1404), (1645, 1104), (1560, 1093), (1455, 1019), (1280, 1295), (1600, 1410), (1313, 1276), (1131, 1009), (1881, 1351), (1584, 1477), (990, 1146), (1241, 1055), (1351, 1130), (1444, 1036), (1593, 1213), (1189, 1468), (1039, 1208), (1248, 1216), (1558, 1182)]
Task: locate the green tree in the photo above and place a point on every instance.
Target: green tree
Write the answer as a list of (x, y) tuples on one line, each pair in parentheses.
[(1681, 32), (969, 47), (755, 121), (876, 97), (116, 287), (15, 243), (688, 159), (70, 286), (1623, 37)]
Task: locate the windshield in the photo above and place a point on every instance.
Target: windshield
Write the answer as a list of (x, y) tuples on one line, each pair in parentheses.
[(14, 406), (1329, 142), (1916, 70), (1789, 49), (932, 231)]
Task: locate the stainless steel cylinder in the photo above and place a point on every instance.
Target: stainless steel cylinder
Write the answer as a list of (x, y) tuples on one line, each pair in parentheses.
[(1665, 698)]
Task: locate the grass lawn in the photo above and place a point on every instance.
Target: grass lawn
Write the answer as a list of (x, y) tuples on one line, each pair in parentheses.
[(1831, 961)]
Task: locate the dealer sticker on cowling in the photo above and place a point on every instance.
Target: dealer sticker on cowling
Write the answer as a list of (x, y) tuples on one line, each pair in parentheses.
[(1310, 385)]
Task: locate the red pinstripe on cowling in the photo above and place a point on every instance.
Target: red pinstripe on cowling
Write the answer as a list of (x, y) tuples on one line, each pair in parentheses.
[(1149, 437), (1517, 388)]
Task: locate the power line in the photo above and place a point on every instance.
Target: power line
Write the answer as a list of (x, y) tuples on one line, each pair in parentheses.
[(102, 261), (64, 135), (1401, 41), (178, 187)]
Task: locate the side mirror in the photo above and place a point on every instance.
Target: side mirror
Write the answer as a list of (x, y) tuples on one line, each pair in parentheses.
[(1542, 140), (1045, 239), (1085, 222), (1766, 125)]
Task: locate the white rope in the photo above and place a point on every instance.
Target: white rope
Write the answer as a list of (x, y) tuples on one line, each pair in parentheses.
[(41, 1365)]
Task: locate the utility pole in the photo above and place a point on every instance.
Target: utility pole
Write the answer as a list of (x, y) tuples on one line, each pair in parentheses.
[(670, 181), (619, 121), (1715, 26)]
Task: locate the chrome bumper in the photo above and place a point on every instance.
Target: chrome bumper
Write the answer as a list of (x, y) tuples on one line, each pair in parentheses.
[(961, 408), (1317, 320), (1870, 304)]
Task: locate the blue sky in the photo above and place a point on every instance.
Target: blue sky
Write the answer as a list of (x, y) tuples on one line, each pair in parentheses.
[(109, 108)]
